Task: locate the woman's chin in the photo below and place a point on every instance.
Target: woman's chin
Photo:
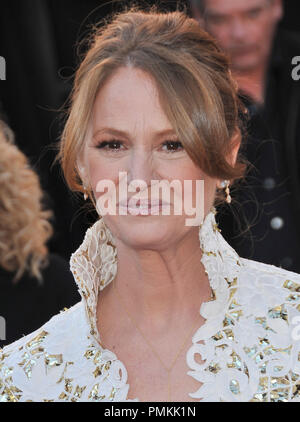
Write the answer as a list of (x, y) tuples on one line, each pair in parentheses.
[(144, 232)]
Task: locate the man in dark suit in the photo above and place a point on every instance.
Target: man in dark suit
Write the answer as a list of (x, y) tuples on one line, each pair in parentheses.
[(263, 60)]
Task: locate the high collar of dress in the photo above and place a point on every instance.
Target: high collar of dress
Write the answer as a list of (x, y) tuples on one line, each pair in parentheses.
[(94, 266)]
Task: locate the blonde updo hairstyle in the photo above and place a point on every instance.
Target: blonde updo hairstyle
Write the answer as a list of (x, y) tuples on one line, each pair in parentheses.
[(193, 79)]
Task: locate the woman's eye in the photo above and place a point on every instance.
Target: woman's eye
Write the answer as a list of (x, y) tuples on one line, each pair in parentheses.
[(173, 146), (115, 145), (112, 145)]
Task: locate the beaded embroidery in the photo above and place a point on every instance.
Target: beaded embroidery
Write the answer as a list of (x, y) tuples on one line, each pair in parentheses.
[(249, 341)]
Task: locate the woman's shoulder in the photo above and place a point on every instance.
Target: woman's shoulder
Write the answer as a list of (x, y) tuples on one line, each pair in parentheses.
[(262, 266), (252, 350), (62, 361), (261, 272), (266, 288), (58, 324), (45, 350)]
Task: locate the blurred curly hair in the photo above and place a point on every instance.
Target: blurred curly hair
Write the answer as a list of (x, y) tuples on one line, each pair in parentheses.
[(24, 225)]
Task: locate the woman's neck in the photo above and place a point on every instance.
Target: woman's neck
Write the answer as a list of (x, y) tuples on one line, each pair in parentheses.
[(158, 288)]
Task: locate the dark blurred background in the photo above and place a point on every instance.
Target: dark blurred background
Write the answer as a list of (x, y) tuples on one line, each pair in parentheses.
[(38, 40)]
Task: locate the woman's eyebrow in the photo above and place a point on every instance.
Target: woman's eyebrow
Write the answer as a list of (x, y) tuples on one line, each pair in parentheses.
[(118, 132)]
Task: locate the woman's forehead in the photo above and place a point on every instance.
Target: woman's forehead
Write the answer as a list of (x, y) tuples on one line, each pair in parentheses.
[(131, 110), (128, 87)]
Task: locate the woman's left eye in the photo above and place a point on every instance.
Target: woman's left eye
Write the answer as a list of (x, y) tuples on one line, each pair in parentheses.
[(173, 146)]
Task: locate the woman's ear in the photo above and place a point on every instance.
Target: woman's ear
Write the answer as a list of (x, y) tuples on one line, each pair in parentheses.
[(81, 170), (235, 143), (235, 146)]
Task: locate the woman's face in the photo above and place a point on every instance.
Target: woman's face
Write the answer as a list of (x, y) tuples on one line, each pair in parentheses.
[(127, 111)]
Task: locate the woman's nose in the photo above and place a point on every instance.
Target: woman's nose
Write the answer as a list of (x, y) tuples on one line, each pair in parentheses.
[(141, 167)]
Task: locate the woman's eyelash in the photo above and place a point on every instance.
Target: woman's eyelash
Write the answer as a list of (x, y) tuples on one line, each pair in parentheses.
[(115, 142), (178, 143), (103, 144)]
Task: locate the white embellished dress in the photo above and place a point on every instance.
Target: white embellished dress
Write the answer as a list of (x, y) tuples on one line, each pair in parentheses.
[(250, 341)]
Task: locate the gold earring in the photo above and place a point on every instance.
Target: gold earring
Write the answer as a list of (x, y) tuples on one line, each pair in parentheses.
[(225, 184)]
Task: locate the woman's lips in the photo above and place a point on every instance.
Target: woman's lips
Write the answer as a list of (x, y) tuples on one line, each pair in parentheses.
[(142, 203), (143, 207)]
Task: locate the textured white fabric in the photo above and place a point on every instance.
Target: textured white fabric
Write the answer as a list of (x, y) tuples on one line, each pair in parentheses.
[(251, 334)]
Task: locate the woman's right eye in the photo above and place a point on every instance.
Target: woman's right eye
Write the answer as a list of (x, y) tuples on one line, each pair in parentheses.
[(112, 145)]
